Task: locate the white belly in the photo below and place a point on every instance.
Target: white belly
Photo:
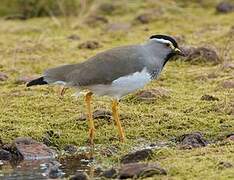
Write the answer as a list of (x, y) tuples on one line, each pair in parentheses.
[(123, 85)]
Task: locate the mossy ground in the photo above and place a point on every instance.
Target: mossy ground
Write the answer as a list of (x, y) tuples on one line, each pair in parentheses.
[(29, 47)]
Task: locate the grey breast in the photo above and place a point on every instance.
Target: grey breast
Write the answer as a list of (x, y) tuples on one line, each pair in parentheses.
[(103, 68)]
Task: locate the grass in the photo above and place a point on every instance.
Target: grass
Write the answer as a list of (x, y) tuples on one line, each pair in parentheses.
[(29, 47)]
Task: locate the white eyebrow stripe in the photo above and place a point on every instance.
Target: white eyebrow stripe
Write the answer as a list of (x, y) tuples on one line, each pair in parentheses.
[(163, 41)]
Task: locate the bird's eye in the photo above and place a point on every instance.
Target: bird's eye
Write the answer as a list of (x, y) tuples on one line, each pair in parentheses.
[(167, 44)]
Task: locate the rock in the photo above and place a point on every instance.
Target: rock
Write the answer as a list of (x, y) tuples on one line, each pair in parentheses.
[(32, 150), (201, 54), (230, 137), (73, 37), (98, 114), (152, 94), (207, 97), (142, 170), (70, 148), (5, 155), (144, 18), (24, 79), (107, 8), (3, 76), (80, 176), (108, 152), (228, 84), (148, 17), (193, 140), (225, 7), (224, 165), (115, 27), (89, 45), (95, 20), (137, 156), (228, 66), (110, 173)]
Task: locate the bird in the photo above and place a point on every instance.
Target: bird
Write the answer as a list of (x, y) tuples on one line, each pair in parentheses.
[(116, 73)]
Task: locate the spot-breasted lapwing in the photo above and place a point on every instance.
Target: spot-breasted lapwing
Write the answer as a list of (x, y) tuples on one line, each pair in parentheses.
[(115, 73)]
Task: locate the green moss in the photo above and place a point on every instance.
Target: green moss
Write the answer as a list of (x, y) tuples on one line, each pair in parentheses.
[(29, 47)]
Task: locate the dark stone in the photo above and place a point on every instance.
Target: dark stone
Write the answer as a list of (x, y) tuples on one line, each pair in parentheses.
[(70, 148), (152, 94), (107, 8), (137, 156), (225, 7), (98, 114), (89, 45), (224, 165), (207, 97), (73, 37), (144, 18), (80, 176), (228, 84), (201, 54), (140, 170), (3, 76), (110, 173), (148, 16), (95, 20), (230, 137), (193, 140), (31, 149), (5, 155)]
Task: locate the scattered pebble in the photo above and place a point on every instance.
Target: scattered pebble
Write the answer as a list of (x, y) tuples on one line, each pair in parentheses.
[(110, 173), (95, 20), (80, 176), (228, 84), (98, 114), (137, 156), (73, 37), (135, 170), (207, 97), (192, 140), (224, 165), (230, 137), (107, 8), (89, 45), (70, 148), (5, 155), (201, 54), (225, 7), (148, 17), (3, 76)]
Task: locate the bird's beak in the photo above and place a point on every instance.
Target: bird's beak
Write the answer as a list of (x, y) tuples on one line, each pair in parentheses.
[(178, 52)]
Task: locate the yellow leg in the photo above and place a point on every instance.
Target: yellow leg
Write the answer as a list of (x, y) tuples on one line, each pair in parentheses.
[(88, 98), (117, 121)]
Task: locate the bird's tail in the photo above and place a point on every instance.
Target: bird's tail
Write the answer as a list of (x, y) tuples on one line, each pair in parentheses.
[(38, 81)]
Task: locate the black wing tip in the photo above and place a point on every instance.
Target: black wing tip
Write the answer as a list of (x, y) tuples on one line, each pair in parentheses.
[(38, 81)]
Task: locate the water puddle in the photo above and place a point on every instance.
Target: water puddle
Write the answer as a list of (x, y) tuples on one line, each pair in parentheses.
[(45, 169)]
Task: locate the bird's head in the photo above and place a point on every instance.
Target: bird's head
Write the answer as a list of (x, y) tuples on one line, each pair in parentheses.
[(166, 45)]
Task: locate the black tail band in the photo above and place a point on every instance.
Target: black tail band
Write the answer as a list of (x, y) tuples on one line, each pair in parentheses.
[(39, 81)]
